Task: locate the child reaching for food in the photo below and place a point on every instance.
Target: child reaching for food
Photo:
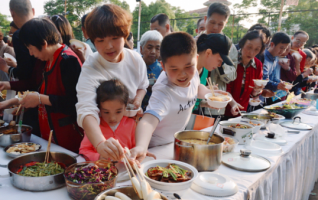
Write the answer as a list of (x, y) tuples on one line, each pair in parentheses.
[(174, 93), (110, 61), (118, 130)]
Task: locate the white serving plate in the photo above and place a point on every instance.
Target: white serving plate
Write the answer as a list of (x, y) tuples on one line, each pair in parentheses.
[(214, 184), (264, 147), (172, 187), (275, 140)]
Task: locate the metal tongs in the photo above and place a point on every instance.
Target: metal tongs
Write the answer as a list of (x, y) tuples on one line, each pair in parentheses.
[(214, 127)]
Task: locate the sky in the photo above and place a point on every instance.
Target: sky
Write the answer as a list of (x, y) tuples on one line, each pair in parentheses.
[(189, 5)]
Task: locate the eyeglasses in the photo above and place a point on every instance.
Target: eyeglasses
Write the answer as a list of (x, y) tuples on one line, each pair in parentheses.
[(300, 42)]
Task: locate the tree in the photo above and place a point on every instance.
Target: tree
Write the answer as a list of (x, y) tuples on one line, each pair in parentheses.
[(76, 9), (179, 19), (4, 24), (304, 20)]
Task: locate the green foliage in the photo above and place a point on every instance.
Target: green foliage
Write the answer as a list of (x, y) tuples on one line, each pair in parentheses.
[(76, 9), (161, 6), (4, 24)]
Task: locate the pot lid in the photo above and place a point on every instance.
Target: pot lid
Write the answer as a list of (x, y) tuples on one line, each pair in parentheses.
[(264, 147), (245, 161), (296, 124), (214, 184), (275, 140)]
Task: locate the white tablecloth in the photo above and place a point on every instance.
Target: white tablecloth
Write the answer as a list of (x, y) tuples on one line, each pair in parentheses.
[(291, 177), (9, 192)]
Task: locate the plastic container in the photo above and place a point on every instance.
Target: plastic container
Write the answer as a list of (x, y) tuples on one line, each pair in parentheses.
[(229, 147)]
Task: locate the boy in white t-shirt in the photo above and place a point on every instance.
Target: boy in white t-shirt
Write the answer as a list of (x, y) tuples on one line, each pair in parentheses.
[(174, 93)]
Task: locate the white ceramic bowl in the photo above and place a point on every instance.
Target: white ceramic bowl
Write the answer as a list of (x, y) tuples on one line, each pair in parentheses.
[(169, 186), (312, 78), (77, 43), (259, 82), (131, 112), (255, 102), (256, 128), (288, 86), (296, 54), (229, 147), (6, 55), (285, 60), (242, 135), (217, 104)]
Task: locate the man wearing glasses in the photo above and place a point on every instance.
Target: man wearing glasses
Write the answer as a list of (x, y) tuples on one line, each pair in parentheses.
[(298, 41)]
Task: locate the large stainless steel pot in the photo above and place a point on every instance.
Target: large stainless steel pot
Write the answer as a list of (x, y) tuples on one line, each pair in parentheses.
[(8, 139), (202, 157), (38, 183)]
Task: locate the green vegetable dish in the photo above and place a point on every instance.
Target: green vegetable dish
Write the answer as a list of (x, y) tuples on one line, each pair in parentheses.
[(171, 174), (38, 169)]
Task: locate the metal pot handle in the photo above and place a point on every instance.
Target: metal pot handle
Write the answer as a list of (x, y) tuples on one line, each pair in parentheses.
[(294, 119), (4, 166), (180, 145)]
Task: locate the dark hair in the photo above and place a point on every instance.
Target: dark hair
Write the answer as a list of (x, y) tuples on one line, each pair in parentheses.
[(83, 20), (261, 27), (251, 35), (280, 37), (129, 36), (112, 90), (162, 19), (5, 39), (301, 32), (219, 8), (202, 44), (309, 53), (13, 25), (112, 20), (199, 21), (176, 44), (64, 27), (36, 31)]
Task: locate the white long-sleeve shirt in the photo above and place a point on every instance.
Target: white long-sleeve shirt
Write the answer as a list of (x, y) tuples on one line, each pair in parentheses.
[(131, 71)]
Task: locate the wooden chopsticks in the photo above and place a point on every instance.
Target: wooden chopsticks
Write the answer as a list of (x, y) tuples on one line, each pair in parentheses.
[(47, 154)]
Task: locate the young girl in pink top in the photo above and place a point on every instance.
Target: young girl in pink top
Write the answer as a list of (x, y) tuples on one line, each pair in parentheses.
[(112, 99)]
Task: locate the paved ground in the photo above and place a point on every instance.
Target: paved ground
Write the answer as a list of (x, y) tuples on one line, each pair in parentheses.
[(314, 197)]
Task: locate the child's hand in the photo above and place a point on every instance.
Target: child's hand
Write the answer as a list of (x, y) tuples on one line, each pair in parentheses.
[(112, 149), (137, 154)]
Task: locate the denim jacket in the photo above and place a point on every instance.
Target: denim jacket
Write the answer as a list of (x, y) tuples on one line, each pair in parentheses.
[(271, 71)]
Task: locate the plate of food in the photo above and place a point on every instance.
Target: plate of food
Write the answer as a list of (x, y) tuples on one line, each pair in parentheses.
[(169, 175), (255, 102), (242, 131), (229, 144), (287, 110), (260, 82), (218, 100), (20, 149)]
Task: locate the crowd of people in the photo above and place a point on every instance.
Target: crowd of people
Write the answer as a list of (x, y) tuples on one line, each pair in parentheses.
[(82, 93)]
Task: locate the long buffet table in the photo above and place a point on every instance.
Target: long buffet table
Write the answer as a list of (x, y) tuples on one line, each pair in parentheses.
[(292, 174)]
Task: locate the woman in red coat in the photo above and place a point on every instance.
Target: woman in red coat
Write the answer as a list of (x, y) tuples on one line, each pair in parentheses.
[(248, 68), (56, 97)]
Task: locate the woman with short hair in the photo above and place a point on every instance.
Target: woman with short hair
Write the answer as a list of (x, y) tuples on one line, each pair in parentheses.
[(248, 68)]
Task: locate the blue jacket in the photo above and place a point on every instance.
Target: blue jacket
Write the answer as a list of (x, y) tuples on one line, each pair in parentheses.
[(271, 71)]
